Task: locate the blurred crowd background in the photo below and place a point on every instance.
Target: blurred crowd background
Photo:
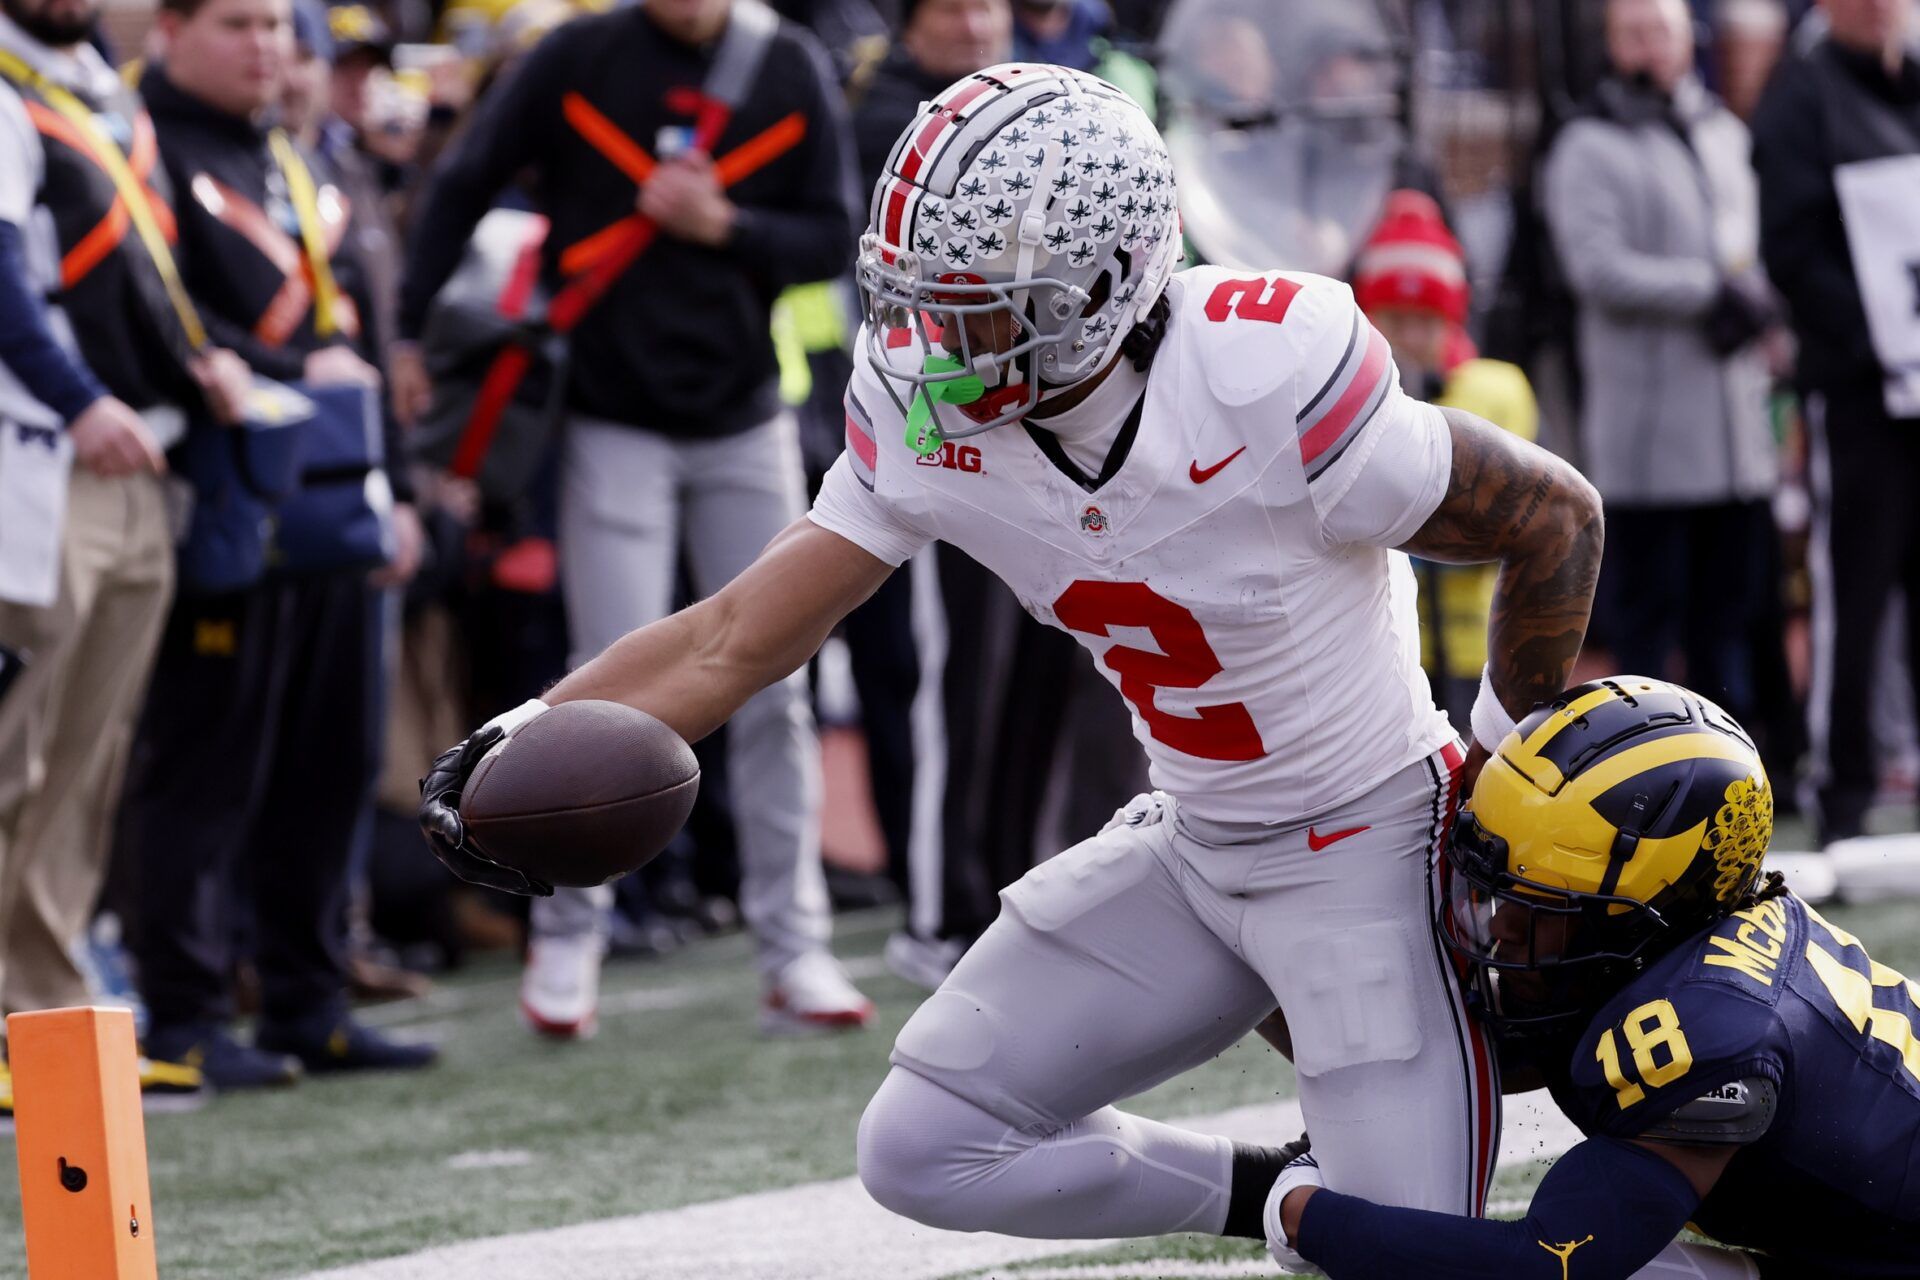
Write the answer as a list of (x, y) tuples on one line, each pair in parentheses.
[(1614, 226)]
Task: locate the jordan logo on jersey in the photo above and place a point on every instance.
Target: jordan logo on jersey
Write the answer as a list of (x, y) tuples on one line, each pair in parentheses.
[(1564, 1252)]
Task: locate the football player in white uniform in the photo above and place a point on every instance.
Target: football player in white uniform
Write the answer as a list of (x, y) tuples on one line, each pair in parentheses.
[(1206, 478)]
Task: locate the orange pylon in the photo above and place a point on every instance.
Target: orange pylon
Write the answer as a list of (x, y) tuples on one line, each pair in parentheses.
[(82, 1143)]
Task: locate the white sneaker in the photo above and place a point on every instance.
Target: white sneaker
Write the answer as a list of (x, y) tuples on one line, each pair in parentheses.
[(925, 962), (560, 987), (813, 994)]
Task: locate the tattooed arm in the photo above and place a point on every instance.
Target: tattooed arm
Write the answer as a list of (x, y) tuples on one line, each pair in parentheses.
[(1514, 502)]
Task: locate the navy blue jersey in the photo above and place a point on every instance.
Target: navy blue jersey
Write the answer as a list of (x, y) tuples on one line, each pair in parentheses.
[(1774, 1030)]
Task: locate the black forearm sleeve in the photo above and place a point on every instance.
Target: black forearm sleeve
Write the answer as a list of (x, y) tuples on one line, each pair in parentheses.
[(1611, 1204)]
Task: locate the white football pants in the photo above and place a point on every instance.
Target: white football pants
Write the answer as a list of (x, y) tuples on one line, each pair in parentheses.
[(1150, 948), (632, 501)]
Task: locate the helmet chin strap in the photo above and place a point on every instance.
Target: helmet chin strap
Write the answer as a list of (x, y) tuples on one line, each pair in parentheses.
[(1049, 391)]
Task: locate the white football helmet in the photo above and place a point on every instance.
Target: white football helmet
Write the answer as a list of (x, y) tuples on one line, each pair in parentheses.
[(1036, 202)]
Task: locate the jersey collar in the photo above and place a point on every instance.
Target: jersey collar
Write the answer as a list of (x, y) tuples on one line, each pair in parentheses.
[(1117, 453)]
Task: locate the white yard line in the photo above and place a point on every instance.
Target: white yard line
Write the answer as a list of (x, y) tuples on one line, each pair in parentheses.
[(500, 1158), (834, 1231)]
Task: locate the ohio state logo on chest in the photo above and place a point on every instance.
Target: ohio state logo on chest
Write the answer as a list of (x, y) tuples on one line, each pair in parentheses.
[(955, 457)]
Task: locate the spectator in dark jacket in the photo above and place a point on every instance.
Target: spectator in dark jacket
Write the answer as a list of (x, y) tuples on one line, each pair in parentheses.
[(1837, 146), (258, 748), (676, 434)]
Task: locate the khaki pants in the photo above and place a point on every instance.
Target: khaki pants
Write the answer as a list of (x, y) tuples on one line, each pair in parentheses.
[(65, 726)]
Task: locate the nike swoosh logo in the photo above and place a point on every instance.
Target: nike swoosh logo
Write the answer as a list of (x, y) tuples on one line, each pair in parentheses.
[(1201, 476), (1317, 842)]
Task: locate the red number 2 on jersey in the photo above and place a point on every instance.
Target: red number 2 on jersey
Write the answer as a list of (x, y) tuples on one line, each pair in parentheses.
[(1186, 661), (1251, 300)]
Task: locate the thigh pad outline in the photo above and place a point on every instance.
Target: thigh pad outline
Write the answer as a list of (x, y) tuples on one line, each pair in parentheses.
[(1349, 997), (1067, 886)]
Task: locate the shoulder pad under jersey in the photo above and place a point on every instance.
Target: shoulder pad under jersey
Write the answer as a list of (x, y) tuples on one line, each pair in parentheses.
[(1253, 333)]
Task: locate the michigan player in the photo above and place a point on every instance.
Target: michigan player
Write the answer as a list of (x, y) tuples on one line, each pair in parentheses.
[(1737, 1062), (1203, 477)]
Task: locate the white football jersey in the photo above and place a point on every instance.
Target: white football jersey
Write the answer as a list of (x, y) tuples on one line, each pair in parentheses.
[(1234, 578)]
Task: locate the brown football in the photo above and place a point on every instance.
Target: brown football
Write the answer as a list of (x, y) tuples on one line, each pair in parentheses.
[(581, 794)]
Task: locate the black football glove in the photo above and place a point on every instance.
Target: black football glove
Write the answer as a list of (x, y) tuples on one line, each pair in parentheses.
[(441, 823)]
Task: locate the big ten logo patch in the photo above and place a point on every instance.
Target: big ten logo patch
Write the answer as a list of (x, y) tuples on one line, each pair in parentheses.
[(955, 457)]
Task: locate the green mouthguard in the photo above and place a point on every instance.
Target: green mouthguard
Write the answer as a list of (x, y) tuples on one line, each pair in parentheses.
[(922, 436)]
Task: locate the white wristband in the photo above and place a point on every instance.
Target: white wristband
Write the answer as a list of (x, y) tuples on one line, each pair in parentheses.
[(509, 722), (1491, 724)]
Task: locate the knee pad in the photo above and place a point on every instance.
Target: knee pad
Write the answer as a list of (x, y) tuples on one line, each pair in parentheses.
[(1004, 1032), (916, 1144), (950, 1031), (979, 1035)]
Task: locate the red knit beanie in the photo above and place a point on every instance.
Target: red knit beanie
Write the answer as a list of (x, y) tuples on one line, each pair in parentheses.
[(1412, 261)]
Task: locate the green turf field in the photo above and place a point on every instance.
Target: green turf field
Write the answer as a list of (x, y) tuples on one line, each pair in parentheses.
[(676, 1102)]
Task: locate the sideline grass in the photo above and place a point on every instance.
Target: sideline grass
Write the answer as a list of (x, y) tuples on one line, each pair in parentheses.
[(677, 1101)]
